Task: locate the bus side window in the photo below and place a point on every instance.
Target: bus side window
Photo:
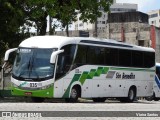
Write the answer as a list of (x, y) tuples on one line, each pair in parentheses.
[(65, 60), (80, 56)]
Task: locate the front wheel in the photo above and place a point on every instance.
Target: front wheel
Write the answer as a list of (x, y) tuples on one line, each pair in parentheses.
[(75, 93)]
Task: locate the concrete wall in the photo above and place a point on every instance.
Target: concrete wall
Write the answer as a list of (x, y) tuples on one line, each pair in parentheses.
[(157, 36), (132, 32)]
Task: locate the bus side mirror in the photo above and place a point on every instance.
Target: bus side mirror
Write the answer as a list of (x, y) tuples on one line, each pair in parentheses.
[(54, 55), (8, 52)]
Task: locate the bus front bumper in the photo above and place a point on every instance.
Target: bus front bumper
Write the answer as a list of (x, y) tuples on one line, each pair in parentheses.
[(45, 93)]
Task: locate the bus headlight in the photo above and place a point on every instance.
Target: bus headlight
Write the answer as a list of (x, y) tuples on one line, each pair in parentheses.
[(47, 86), (14, 85)]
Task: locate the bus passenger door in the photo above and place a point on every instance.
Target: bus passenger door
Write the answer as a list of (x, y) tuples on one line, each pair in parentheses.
[(58, 87)]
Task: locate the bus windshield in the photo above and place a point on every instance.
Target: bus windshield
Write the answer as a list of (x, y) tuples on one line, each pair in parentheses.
[(158, 71), (33, 64)]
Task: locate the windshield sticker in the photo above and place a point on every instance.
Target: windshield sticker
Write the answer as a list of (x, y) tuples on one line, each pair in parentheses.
[(25, 50)]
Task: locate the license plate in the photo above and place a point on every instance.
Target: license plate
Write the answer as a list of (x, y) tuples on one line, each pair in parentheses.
[(28, 93)]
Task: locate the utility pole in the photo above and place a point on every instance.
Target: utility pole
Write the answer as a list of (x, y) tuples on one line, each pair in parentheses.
[(50, 26)]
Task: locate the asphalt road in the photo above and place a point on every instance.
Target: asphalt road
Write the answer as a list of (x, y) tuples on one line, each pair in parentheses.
[(84, 110)]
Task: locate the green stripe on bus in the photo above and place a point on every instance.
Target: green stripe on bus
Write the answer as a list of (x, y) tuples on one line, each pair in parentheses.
[(105, 70), (132, 69), (99, 71), (91, 74), (83, 77), (86, 75), (75, 78)]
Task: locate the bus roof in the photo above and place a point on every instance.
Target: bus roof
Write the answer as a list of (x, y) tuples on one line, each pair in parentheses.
[(59, 41)]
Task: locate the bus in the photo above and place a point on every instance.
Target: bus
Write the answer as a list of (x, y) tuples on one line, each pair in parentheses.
[(81, 67), (156, 86)]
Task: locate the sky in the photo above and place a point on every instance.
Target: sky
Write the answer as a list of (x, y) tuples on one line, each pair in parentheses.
[(143, 5)]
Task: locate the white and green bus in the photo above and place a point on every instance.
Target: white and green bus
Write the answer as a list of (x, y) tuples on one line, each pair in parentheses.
[(79, 67)]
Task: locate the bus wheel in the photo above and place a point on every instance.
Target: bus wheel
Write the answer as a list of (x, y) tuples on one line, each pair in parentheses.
[(156, 99), (150, 98), (99, 99), (75, 93), (37, 99), (131, 95)]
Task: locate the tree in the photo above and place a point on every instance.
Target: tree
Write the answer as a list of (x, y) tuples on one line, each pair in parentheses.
[(11, 20), (64, 11)]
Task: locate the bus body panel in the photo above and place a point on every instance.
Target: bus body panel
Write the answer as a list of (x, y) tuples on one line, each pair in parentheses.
[(105, 85)]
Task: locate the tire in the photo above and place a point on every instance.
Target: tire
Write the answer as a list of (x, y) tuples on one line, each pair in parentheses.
[(156, 99), (131, 96), (99, 99), (153, 97), (150, 98), (37, 99), (75, 94)]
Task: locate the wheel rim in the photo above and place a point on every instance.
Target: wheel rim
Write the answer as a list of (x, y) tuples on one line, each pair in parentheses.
[(131, 95), (73, 93)]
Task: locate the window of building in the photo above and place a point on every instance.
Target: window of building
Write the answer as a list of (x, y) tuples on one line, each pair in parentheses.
[(153, 15), (141, 42), (81, 24), (103, 22)]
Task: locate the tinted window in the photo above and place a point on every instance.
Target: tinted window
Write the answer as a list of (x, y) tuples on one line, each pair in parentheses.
[(95, 55), (81, 55), (137, 59), (124, 58), (65, 60), (149, 59), (111, 56)]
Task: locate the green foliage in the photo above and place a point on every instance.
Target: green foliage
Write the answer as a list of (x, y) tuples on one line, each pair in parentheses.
[(18, 15), (12, 18)]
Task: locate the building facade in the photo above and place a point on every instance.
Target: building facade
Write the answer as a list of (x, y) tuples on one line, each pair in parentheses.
[(154, 17), (129, 27), (100, 25)]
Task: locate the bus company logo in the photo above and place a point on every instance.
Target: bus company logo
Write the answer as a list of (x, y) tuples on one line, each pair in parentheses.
[(125, 76), (21, 114)]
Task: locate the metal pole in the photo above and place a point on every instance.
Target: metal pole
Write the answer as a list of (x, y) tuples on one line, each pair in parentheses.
[(2, 76)]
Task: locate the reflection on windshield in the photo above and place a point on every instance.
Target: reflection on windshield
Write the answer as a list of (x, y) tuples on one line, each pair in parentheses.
[(33, 64)]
